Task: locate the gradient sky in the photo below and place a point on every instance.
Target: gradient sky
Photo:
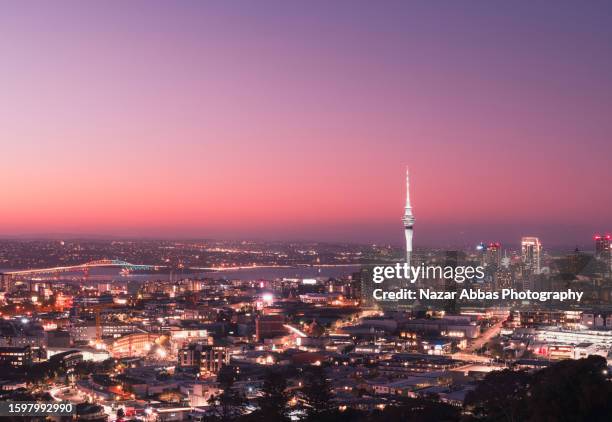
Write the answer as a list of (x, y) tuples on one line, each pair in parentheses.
[(288, 120)]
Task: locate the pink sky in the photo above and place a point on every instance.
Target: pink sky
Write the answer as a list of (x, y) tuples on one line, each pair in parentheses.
[(288, 122)]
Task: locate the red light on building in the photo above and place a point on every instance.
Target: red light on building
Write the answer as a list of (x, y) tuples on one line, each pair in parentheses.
[(602, 247)]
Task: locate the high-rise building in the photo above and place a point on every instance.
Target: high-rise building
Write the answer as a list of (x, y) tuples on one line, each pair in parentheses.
[(408, 221), (602, 246), (576, 263), (493, 254), (531, 250), (481, 253), (503, 279), (505, 261), (450, 285)]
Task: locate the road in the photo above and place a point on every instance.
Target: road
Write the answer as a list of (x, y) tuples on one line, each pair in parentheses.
[(468, 353), (75, 396), (491, 332)]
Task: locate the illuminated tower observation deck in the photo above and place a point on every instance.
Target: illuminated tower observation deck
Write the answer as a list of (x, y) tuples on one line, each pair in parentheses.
[(408, 221)]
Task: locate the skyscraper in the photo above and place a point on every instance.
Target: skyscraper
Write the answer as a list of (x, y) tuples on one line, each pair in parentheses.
[(603, 251), (531, 249), (602, 246), (493, 254), (408, 221)]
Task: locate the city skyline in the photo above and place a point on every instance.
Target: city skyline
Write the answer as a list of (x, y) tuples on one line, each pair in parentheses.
[(321, 211), (295, 122)]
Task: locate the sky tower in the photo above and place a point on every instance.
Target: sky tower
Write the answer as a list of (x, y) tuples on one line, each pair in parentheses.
[(408, 221)]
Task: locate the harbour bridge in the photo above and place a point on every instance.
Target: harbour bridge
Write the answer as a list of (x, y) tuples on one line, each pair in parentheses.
[(106, 263)]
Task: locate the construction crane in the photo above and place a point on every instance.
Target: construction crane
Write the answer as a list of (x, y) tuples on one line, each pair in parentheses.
[(97, 310)]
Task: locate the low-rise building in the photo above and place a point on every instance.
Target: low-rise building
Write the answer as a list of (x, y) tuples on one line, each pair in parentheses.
[(17, 356)]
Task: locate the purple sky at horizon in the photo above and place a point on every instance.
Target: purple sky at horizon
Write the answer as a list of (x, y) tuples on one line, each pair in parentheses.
[(282, 120)]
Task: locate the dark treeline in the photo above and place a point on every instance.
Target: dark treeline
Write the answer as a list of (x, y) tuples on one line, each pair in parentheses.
[(571, 390)]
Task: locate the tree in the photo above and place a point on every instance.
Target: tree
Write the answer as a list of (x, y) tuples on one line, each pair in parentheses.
[(572, 390), (273, 401), (231, 403), (501, 395), (226, 376), (417, 410), (317, 394)]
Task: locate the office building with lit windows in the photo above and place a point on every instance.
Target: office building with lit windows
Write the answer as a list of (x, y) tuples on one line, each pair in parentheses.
[(531, 251)]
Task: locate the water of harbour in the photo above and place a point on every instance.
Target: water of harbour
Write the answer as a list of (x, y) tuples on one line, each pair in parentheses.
[(256, 273)]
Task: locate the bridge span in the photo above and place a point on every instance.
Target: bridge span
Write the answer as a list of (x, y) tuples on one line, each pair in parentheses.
[(107, 263)]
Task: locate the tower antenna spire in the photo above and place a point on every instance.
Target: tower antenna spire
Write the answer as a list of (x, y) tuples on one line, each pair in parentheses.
[(407, 188)]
